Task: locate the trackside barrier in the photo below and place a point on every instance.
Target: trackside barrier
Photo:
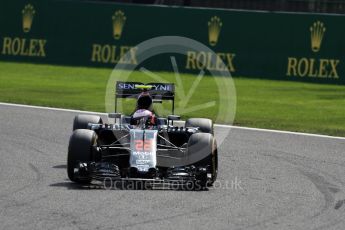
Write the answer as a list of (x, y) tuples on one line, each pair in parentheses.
[(281, 46)]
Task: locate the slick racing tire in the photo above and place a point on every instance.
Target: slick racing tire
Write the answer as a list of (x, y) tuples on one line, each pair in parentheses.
[(206, 145), (204, 125), (80, 150), (81, 121)]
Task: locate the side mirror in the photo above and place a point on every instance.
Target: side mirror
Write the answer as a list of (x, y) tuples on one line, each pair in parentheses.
[(114, 115), (174, 117)]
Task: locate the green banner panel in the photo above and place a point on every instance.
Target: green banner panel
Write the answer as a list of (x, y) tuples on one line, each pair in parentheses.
[(280, 46)]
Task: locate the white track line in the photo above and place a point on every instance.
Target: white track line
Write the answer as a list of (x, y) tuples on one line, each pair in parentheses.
[(51, 108), (217, 125)]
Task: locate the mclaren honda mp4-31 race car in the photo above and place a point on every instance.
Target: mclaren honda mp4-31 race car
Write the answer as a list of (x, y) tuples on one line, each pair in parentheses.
[(143, 147)]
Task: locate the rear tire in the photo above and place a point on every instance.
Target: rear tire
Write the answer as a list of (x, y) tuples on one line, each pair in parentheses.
[(81, 121), (205, 144), (80, 150), (205, 125)]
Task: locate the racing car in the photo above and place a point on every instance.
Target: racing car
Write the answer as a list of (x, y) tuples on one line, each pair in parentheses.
[(142, 146)]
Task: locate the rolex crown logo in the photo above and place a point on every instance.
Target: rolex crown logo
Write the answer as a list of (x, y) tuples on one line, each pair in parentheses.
[(214, 27), (28, 16), (317, 31), (119, 20)]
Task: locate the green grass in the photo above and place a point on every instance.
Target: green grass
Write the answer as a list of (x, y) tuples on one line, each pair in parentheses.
[(283, 105)]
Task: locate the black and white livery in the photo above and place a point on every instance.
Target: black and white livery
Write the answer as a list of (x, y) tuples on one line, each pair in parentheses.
[(143, 147)]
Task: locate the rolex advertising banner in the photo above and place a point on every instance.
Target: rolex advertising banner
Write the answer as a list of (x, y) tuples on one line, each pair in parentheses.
[(280, 46)]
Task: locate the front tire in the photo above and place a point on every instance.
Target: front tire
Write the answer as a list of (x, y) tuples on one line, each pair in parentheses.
[(80, 149), (213, 163), (205, 144)]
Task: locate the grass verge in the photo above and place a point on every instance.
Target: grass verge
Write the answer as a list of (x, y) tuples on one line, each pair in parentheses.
[(282, 105)]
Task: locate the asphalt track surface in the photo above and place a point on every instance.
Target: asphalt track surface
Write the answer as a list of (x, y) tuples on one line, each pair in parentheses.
[(267, 180)]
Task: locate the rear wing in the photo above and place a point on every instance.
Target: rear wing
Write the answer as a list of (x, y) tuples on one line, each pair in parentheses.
[(158, 91)]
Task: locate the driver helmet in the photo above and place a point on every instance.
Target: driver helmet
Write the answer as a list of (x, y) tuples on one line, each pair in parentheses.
[(144, 101)]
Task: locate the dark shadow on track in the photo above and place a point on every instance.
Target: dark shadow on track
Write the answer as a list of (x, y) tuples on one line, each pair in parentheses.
[(74, 186), (60, 167)]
